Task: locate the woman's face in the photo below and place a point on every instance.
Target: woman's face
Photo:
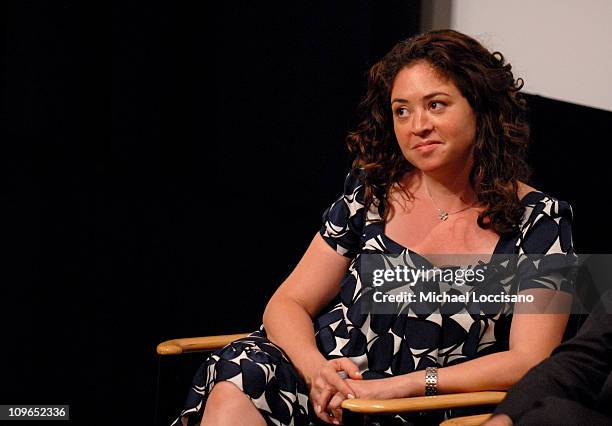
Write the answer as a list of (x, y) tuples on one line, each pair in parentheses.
[(434, 124)]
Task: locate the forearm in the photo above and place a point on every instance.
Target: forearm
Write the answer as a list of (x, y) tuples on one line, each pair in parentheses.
[(496, 371), (289, 326), (532, 338)]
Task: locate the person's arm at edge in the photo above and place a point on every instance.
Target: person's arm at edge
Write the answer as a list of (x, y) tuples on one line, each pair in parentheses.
[(577, 370)]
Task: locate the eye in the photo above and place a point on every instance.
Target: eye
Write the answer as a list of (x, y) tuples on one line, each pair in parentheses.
[(436, 105), (401, 112)]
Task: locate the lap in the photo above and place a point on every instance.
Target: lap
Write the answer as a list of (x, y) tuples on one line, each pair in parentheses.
[(261, 370)]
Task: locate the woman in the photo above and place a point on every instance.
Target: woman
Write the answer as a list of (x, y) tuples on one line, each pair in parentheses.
[(438, 168)]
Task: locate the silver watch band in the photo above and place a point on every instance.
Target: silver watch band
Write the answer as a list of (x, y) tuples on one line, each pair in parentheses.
[(431, 381)]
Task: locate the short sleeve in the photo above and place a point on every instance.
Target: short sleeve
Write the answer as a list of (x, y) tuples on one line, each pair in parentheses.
[(343, 221), (546, 256)]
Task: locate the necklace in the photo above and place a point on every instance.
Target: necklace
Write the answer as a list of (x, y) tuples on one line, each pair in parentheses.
[(443, 214)]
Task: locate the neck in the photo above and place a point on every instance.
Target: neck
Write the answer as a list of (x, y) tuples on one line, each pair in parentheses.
[(450, 191)]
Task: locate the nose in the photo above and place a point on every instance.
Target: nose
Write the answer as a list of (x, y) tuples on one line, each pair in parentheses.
[(421, 123)]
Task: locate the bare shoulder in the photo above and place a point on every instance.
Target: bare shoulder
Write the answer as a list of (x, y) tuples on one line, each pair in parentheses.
[(524, 189)]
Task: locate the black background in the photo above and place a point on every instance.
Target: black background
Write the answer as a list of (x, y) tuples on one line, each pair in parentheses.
[(164, 166)]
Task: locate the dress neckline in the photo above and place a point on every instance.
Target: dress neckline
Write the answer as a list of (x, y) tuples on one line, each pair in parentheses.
[(499, 247)]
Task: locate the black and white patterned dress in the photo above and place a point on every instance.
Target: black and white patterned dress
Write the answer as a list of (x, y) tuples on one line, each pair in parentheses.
[(380, 345)]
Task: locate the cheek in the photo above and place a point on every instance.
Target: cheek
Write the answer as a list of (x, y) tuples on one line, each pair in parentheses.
[(470, 126), (402, 139), (463, 129), (403, 142), (470, 132), (396, 130), (402, 133)]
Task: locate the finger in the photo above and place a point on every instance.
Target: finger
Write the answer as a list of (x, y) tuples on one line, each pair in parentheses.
[(324, 398), (320, 395), (337, 383), (331, 419), (334, 406), (321, 413), (350, 368), (325, 417)]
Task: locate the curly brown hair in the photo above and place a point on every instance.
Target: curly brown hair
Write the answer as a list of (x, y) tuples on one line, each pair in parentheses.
[(502, 132)]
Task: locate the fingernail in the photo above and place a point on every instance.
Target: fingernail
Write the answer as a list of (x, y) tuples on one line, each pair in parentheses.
[(351, 396), (336, 422), (357, 373), (318, 408)]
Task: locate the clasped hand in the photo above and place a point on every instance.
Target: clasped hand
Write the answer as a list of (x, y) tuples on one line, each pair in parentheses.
[(328, 389), (325, 384)]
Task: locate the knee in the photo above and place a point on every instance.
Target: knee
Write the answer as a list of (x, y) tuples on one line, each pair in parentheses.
[(228, 405), (223, 391)]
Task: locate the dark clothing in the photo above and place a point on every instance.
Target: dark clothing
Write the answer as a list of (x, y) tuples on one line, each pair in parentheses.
[(552, 410), (570, 387)]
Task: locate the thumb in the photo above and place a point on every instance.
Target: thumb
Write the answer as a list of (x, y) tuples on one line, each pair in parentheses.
[(351, 369)]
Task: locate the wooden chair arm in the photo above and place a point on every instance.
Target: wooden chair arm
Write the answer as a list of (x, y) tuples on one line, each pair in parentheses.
[(366, 406), (475, 420), (422, 403), (195, 344)]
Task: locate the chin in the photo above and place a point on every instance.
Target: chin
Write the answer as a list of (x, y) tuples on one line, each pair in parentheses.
[(427, 166)]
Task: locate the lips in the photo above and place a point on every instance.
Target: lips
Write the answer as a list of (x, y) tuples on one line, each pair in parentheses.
[(426, 143)]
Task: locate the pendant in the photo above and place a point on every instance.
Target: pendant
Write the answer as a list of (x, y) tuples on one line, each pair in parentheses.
[(442, 215)]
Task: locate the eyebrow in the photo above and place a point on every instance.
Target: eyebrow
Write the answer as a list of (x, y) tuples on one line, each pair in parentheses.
[(426, 97)]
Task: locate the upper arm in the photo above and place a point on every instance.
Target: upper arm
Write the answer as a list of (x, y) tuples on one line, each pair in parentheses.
[(344, 221), (534, 335), (315, 281), (545, 273)]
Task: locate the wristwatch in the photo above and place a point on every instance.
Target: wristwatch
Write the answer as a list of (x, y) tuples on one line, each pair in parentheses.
[(431, 381)]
